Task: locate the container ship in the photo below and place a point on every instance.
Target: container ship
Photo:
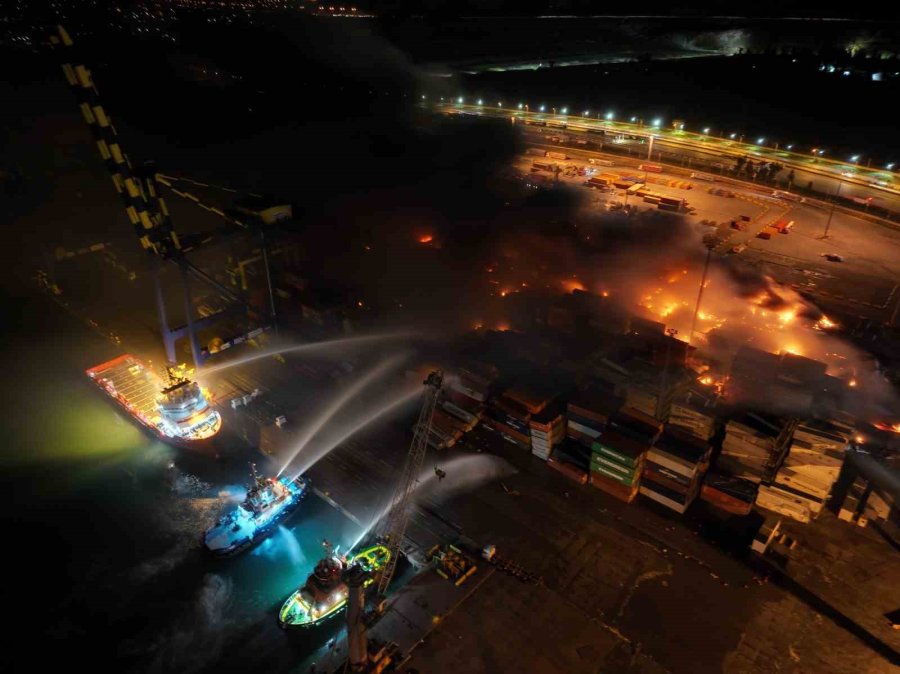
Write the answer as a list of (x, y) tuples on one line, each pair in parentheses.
[(325, 592), (269, 501), (177, 413)]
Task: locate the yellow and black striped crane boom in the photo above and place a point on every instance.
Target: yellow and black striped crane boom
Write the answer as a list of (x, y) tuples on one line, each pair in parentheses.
[(140, 195)]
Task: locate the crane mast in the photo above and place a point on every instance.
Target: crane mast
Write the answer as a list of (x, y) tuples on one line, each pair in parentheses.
[(399, 513)]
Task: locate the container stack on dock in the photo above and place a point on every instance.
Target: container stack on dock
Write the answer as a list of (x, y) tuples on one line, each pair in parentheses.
[(694, 412), (674, 469), (470, 389), (881, 505), (510, 419), (617, 462), (588, 413), (572, 459), (854, 500), (446, 429), (803, 483), (767, 532), (754, 446), (548, 429), (636, 424), (726, 492), (866, 501)]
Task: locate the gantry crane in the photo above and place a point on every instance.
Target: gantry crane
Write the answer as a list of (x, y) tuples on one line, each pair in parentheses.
[(359, 659), (398, 517), (141, 193)]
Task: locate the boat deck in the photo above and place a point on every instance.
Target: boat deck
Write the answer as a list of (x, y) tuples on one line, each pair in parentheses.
[(132, 384)]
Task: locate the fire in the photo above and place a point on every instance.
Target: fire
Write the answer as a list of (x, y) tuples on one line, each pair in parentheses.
[(885, 426), (787, 316), (792, 349), (604, 293), (706, 380), (825, 323), (852, 383), (571, 285), (426, 238), (669, 309)]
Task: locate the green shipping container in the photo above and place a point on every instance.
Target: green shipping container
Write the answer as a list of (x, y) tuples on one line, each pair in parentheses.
[(617, 477), (612, 454)]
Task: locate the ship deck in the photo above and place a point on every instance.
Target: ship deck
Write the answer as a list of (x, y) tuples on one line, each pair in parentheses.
[(131, 383)]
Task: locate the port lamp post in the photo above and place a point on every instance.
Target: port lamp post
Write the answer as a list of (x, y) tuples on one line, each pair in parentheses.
[(657, 123), (855, 159), (460, 100), (890, 167), (521, 106), (565, 111), (480, 102), (760, 141), (610, 116), (543, 107), (706, 131)]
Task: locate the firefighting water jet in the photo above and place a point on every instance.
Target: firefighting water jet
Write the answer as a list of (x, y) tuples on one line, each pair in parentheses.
[(439, 483), (292, 544), (299, 348), (320, 449), (338, 403)]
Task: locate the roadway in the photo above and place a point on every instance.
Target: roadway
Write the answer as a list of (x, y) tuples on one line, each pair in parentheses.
[(863, 286), (704, 152)]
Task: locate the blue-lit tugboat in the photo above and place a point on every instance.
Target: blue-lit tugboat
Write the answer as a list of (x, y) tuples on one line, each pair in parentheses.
[(269, 501), (325, 592)]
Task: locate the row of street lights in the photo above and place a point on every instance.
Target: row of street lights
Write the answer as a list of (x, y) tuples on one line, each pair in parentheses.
[(658, 123)]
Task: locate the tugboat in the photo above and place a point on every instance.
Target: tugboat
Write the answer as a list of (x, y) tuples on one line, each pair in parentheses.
[(269, 501), (325, 592)]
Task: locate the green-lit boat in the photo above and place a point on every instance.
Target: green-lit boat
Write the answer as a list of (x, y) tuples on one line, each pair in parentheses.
[(325, 592)]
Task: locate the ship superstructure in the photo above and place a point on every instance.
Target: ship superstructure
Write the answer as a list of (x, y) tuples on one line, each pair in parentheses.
[(325, 592), (269, 501), (184, 409)]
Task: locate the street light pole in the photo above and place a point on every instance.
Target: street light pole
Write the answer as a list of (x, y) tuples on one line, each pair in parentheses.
[(650, 149), (831, 212)]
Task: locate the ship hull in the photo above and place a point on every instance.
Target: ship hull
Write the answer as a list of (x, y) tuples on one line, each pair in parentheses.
[(294, 614), (264, 531), (135, 406)]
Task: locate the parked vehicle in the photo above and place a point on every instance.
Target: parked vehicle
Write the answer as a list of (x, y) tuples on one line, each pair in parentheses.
[(788, 196)]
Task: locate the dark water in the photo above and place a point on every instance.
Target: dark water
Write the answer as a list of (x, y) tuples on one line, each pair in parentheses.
[(103, 527)]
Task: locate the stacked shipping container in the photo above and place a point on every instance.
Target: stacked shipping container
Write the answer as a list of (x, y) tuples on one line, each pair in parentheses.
[(588, 413), (617, 461), (754, 446), (674, 469), (803, 483), (726, 492), (548, 429)]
